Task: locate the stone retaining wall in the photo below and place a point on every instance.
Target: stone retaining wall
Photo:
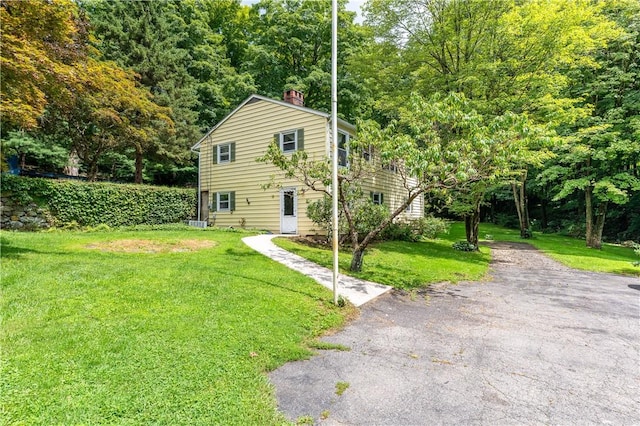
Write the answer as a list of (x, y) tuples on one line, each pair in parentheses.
[(18, 217)]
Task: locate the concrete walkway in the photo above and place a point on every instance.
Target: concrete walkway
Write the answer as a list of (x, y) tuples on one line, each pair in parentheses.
[(355, 290)]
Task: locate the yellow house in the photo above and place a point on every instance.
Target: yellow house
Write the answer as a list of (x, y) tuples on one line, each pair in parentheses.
[(232, 182)]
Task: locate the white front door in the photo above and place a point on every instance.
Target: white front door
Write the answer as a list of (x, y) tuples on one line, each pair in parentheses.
[(288, 209)]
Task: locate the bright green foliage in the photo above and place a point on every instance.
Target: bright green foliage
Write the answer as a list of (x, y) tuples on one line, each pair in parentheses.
[(504, 56), (46, 152), (90, 204), (91, 336), (366, 215), (602, 153), (290, 47)]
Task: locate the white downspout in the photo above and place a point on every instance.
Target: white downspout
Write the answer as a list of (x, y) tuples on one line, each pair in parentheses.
[(199, 191)]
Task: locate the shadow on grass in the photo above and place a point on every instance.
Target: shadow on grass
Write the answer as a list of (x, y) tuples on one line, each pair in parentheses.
[(9, 251), (431, 250), (249, 257), (389, 275)]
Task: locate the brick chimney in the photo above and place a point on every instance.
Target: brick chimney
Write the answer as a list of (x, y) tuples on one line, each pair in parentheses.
[(294, 97)]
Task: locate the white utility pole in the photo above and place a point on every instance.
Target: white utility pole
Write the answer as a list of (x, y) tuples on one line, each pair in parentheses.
[(334, 141)]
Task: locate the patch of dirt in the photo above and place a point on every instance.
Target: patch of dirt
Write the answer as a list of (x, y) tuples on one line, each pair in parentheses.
[(312, 241), (150, 246)]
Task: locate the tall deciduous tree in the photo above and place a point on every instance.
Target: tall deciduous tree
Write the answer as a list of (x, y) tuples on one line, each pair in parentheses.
[(179, 49), (112, 113), (40, 42), (504, 56), (150, 38), (602, 156), (290, 47)]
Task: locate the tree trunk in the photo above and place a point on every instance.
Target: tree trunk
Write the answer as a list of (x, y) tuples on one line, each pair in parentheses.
[(594, 227), (494, 201), (139, 166), (360, 247), (357, 258), (472, 226), (92, 172), (519, 196)]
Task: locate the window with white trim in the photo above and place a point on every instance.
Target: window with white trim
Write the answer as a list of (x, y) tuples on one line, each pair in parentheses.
[(377, 198), (224, 153), (224, 201), (289, 141), (409, 208), (392, 167)]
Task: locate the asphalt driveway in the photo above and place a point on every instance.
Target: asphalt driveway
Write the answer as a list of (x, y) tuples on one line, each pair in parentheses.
[(537, 344)]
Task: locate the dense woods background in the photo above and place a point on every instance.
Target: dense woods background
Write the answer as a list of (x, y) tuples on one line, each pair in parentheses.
[(547, 92)]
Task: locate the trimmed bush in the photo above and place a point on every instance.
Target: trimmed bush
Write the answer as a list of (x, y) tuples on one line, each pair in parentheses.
[(94, 203)]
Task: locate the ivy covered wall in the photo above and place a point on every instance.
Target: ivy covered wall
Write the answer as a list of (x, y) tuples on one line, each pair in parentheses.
[(58, 202)]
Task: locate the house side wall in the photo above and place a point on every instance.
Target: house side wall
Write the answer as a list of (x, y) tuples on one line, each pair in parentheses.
[(252, 128), (391, 185)]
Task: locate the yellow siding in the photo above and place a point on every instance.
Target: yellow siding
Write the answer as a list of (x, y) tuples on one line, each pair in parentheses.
[(252, 128), (391, 185)]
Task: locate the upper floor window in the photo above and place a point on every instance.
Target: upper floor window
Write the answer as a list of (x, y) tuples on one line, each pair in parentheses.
[(224, 153), (290, 141), (392, 167), (367, 153), (343, 149)]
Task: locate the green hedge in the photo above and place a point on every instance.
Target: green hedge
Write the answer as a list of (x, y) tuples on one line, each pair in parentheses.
[(93, 203)]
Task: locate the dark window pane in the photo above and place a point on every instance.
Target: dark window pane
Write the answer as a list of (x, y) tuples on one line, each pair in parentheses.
[(288, 203)]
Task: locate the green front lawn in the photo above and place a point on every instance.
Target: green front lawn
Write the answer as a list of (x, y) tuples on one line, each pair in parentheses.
[(409, 265), (406, 265), (149, 327)]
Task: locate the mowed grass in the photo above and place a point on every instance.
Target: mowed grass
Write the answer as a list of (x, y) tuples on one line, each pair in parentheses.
[(406, 265), (91, 336), (572, 252)]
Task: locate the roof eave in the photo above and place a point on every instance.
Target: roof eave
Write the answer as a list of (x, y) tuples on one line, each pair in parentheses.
[(275, 101)]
